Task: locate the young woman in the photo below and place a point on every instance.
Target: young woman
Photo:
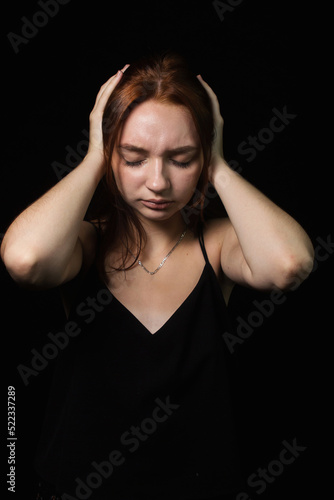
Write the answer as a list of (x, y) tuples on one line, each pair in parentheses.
[(139, 406)]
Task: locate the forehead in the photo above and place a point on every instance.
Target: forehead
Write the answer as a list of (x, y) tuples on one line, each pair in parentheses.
[(157, 127)]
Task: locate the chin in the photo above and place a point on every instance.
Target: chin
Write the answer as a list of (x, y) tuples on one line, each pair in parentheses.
[(157, 215)]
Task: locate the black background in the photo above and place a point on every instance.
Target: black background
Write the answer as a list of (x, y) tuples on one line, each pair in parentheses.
[(257, 58)]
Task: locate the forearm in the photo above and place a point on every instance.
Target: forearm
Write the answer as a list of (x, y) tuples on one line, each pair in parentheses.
[(272, 242), (44, 235)]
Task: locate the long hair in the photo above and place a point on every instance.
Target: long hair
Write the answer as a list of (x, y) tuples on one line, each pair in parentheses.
[(165, 78)]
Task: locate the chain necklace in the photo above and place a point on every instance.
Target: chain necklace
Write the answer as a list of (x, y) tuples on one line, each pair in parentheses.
[(164, 260)]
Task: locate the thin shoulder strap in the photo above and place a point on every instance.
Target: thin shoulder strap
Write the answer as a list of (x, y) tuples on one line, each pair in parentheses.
[(95, 227), (201, 242)]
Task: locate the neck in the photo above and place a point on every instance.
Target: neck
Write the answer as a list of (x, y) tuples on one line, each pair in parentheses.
[(161, 235)]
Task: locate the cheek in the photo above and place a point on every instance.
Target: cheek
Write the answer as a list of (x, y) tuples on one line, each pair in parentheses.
[(128, 180), (188, 181), (184, 188)]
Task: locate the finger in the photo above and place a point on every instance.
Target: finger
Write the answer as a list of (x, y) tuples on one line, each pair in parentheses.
[(105, 85), (106, 90), (209, 90), (125, 67), (114, 80), (102, 89), (205, 85), (213, 97)]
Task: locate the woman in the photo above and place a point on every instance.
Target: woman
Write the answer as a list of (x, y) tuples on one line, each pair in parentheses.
[(139, 407)]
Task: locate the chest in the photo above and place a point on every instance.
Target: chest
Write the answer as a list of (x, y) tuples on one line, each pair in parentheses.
[(153, 299)]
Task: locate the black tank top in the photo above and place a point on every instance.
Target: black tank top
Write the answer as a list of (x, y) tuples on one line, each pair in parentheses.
[(135, 413)]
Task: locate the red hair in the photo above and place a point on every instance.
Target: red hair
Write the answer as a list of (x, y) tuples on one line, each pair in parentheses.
[(167, 79)]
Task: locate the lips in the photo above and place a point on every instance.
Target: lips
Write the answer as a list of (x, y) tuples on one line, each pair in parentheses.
[(157, 204)]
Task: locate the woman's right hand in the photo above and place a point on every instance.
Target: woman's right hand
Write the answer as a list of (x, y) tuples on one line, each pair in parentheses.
[(96, 115), (50, 242)]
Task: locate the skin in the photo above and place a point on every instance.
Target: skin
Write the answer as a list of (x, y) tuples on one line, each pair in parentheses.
[(160, 171), (257, 245)]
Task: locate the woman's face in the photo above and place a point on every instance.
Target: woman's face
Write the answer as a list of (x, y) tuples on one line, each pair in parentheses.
[(158, 159)]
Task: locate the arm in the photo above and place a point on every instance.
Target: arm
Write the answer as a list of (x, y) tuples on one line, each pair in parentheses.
[(263, 246), (43, 246), (48, 242)]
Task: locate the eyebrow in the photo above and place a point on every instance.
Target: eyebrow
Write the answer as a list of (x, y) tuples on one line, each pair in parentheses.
[(137, 149)]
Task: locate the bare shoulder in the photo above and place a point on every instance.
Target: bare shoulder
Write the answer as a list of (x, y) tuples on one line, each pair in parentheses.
[(214, 232), (215, 229)]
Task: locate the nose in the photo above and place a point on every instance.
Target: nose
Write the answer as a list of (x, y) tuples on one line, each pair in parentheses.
[(157, 176)]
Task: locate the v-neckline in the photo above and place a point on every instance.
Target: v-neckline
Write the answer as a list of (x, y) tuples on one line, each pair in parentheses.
[(146, 330)]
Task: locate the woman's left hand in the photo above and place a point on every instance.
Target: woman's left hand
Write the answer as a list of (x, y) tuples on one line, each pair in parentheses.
[(217, 155), (263, 247)]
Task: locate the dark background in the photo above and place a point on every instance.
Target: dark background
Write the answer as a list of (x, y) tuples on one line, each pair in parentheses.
[(257, 58)]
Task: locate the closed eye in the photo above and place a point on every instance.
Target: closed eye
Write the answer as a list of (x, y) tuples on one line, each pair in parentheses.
[(181, 164), (133, 163), (139, 162)]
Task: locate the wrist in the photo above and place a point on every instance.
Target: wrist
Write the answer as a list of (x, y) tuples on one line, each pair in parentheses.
[(95, 163), (221, 176)]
